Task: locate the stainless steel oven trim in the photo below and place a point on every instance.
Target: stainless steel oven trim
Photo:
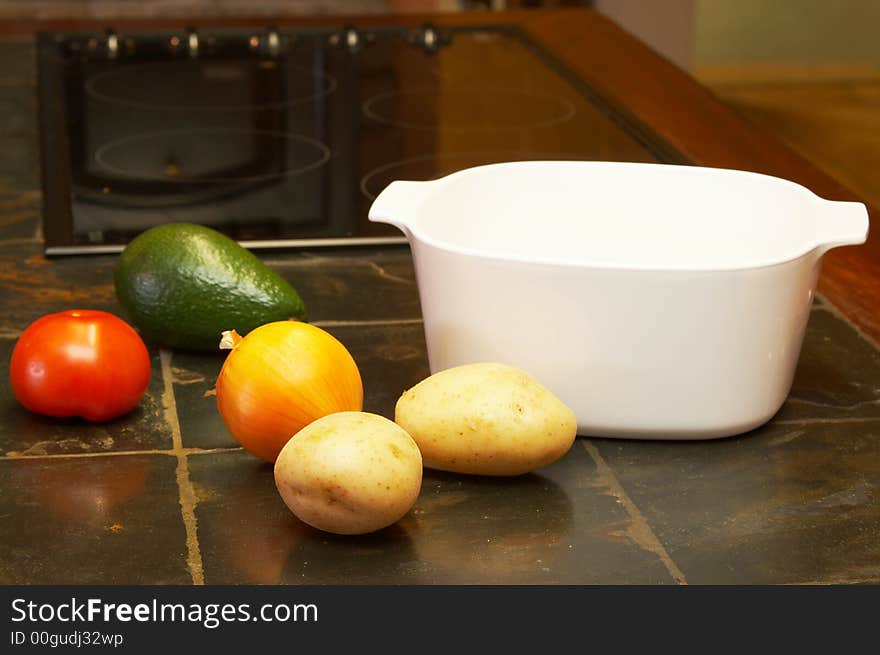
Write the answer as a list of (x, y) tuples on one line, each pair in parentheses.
[(272, 244)]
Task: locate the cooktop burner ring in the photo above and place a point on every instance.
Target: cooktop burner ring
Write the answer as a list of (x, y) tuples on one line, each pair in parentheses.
[(488, 157), (91, 86), (322, 151), (563, 111)]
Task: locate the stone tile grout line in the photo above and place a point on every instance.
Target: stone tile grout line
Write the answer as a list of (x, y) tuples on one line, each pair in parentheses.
[(820, 420), (641, 532), (12, 333), (391, 322), (184, 484), (124, 453)]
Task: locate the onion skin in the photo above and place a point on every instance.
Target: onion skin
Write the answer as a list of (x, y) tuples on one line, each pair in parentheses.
[(281, 377)]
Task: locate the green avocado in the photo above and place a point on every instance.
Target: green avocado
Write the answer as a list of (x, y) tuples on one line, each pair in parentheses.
[(182, 285)]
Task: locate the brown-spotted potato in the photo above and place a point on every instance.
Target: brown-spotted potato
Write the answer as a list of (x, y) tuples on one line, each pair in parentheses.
[(349, 473), (486, 419)]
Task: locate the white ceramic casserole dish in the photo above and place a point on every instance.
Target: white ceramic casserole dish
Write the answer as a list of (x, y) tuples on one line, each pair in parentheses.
[(657, 301)]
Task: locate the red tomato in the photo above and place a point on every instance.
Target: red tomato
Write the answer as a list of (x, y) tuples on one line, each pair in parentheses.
[(80, 362)]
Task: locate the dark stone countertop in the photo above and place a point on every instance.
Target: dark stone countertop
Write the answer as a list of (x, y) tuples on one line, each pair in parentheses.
[(165, 495)]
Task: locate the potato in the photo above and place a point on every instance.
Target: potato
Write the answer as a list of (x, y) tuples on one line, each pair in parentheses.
[(349, 473), (486, 419)]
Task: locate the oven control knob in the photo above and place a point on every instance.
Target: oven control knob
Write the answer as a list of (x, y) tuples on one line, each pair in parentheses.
[(429, 38), (111, 43), (192, 42), (350, 39), (270, 44), (273, 43)]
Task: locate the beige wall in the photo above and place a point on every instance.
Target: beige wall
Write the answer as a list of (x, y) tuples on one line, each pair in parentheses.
[(748, 31), (699, 33)]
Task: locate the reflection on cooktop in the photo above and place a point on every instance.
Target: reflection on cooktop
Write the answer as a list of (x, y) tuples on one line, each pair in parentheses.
[(205, 86), (282, 139), (471, 109), (210, 155), (432, 166)]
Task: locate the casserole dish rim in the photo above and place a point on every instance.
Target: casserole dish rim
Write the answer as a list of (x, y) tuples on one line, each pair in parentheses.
[(819, 246)]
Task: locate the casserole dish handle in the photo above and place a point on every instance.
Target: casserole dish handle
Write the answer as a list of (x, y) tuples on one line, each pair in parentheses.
[(841, 223), (399, 204)]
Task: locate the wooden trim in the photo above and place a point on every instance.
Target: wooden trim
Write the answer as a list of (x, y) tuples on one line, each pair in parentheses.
[(675, 106)]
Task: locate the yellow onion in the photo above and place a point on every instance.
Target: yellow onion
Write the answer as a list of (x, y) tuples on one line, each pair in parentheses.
[(279, 378)]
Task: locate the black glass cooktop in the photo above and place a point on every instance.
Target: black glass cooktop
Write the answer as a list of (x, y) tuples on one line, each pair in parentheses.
[(284, 138)]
